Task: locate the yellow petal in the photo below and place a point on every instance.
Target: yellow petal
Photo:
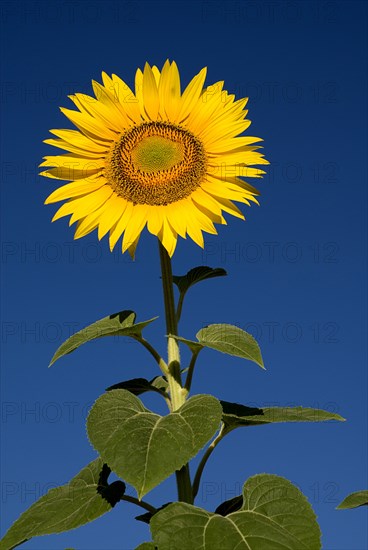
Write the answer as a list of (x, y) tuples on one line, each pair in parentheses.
[(98, 218), (223, 130), (231, 144), (135, 226), (211, 216), (139, 93), (155, 219), (169, 91), (229, 207), (107, 82), (206, 106), (72, 162), (244, 158), (150, 93), (88, 224), (195, 233), (219, 188), (229, 111), (229, 167), (120, 225), (191, 223), (236, 183), (191, 94), (75, 189), (207, 201), (200, 215), (79, 140), (84, 205), (168, 238), (176, 214), (126, 99), (109, 115), (89, 126), (231, 173), (113, 210), (156, 74), (78, 151), (111, 102), (132, 247), (69, 173), (162, 87)]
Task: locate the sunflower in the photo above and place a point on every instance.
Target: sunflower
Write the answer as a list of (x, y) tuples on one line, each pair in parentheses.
[(158, 157)]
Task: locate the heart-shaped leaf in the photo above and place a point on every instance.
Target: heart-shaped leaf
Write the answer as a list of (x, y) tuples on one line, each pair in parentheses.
[(235, 415), (360, 498), (145, 448), (196, 275), (228, 339), (117, 324), (86, 497), (274, 515)]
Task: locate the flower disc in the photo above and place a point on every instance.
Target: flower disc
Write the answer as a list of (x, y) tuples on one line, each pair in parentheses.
[(156, 163)]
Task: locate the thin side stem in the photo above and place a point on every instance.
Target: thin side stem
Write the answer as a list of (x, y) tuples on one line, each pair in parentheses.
[(177, 392), (157, 357), (206, 456), (188, 381), (140, 503)]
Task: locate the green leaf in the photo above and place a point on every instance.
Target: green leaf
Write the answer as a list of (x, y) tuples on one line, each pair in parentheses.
[(143, 447), (227, 339), (137, 386), (117, 324), (274, 515), (360, 498), (86, 497), (235, 415), (147, 546), (196, 275)]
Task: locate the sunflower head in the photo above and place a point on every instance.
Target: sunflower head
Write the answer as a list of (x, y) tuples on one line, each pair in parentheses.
[(158, 157)]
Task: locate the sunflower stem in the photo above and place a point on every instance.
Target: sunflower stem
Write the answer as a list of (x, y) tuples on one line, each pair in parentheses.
[(177, 392)]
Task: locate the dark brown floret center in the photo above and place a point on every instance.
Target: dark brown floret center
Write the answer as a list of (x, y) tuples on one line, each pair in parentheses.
[(156, 163)]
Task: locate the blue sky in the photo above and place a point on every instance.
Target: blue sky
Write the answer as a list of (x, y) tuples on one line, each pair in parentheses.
[(297, 266)]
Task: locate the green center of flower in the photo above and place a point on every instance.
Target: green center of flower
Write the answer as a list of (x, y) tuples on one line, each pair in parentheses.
[(156, 163), (156, 153)]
